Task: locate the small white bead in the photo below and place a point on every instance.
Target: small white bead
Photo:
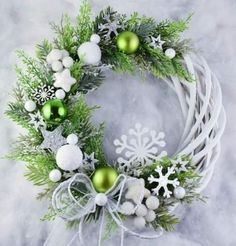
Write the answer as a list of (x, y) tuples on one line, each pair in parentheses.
[(55, 175), (57, 66), (101, 199), (141, 210), (152, 202), (30, 106), (67, 62), (147, 193), (150, 216), (127, 208), (179, 192), (72, 139), (60, 94), (95, 38), (139, 222), (170, 53), (55, 55), (65, 53)]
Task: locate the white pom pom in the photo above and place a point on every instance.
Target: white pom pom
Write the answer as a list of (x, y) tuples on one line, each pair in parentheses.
[(67, 62), (69, 157), (30, 106), (72, 139), (179, 192), (147, 193), (141, 210), (55, 55), (170, 53), (101, 199), (90, 53), (55, 175), (127, 208), (150, 216), (65, 53), (139, 222), (57, 66), (49, 59), (152, 202), (60, 94), (95, 38)]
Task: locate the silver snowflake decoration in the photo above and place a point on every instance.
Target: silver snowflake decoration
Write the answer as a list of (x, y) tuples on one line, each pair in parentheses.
[(43, 94), (53, 140), (111, 26), (89, 161), (156, 42), (163, 181), (142, 147), (180, 164), (37, 120)]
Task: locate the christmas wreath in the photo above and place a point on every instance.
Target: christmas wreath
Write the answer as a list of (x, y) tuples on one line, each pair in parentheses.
[(64, 150)]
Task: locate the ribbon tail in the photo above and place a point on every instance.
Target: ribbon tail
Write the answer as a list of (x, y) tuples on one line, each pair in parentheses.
[(122, 237), (78, 234), (101, 228)]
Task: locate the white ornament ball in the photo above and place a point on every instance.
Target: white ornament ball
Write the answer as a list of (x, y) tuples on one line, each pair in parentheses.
[(141, 210), (147, 193), (60, 94), (90, 53), (69, 157), (179, 192), (67, 62), (49, 59), (152, 202), (101, 199), (95, 38), (57, 66), (72, 139), (139, 222), (127, 208), (150, 216), (55, 55), (55, 175), (170, 53), (30, 106), (65, 53)]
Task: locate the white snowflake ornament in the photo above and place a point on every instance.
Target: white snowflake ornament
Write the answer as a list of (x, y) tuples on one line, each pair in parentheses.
[(89, 161), (141, 147), (179, 164), (163, 181), (64, 80), (156, 42), (37, 120)]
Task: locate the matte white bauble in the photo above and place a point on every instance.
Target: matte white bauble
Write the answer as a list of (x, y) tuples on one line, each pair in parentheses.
[(55, 55), (69, 157), (57, 66), (30, 106), (150, 216), (152, 202), (90, 53), (179, 192), (147, 193), (170, 53), (65, 53), (72, 139), (60, 94), (139, 222), (67, 62), (101, 199), (141, 210), (55, 175), (127, 208), (95, 38)]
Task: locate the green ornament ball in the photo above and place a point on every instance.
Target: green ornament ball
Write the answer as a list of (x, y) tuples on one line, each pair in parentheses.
[(104, 178), (128, 42), (54, 111)]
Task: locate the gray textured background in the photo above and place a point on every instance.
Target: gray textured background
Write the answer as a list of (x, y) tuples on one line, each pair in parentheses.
[(213, 28)]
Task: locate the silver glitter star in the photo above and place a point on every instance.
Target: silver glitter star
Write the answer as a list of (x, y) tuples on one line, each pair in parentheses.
[(157, 42), (37, 120), (53, 140)]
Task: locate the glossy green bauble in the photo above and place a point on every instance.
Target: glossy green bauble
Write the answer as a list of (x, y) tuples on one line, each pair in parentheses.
[(54, 111), (128, 42), (104, 178)]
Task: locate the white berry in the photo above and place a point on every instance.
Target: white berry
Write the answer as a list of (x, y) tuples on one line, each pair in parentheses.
[(60, 94), (30, 106), (57, 66), (127, 208), (139, 222), (147, 193), (170, 53), (65, 53), (72, 139), (55, 175), (55, 55), (67, 62), (152, 202), (179, 192), (101, 199), (141, 210), (150, 216), (89, 53), (95, 38)]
